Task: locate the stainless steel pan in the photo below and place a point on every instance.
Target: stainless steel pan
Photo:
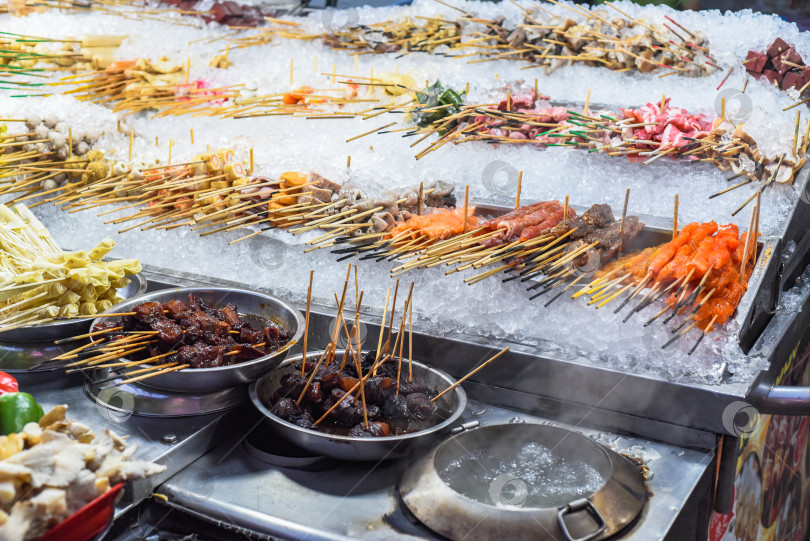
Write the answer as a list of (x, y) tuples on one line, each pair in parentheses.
[(606, 511), (248, 303), (352, 448)]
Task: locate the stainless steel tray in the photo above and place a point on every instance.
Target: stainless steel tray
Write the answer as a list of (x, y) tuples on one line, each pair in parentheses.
[(203, 380), (570, 389), (133, 399), (759, 302), (345, 501)]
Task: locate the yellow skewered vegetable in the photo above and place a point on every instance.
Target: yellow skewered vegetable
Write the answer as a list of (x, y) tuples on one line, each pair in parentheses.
[(39, 281)]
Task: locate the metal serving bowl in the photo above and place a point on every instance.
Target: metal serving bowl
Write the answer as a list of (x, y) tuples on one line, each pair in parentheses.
[(254, 306), (599, 515), (352, 448), (70, 327)]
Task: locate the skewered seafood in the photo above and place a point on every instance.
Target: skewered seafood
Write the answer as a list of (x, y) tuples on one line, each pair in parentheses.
[(525, 223), (141, 84), (50, 156), (642, 134), (544, 39), (703, 259), (195, 334), (599, 39), (439, 225), (23, 53), (392, 36)]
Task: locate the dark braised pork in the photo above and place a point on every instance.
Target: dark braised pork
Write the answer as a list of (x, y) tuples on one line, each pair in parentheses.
[(388, 412), (199, 335), (373, 430)]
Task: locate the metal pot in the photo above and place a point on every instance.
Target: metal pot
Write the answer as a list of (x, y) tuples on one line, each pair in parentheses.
[(249, 303), (352, 448), (71, 327), (598, 516)]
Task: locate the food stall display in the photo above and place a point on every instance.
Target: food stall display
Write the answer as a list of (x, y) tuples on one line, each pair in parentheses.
[(367, 253)]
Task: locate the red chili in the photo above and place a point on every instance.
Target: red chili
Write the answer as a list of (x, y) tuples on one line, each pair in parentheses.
[(8, 384)]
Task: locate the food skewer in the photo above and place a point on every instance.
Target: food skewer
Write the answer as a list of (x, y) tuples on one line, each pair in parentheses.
[(471, 373)]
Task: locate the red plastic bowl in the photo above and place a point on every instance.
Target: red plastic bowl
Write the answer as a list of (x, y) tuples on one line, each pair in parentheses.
[(87, 522)]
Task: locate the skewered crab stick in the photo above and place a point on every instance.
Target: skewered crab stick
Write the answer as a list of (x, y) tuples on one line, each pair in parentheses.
[(704, 261), (439, 225)]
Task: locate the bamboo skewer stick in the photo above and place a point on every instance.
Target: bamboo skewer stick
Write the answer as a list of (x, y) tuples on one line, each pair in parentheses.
[(306, 320), (152, 374), (72, 354), (466, 203), (473, 372), (750, 231), (391, 321), (705, 332), (410, 342), (400, 334)]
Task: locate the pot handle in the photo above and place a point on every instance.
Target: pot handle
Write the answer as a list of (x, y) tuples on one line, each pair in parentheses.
[(464, 427), (780, 400), (574, 507)]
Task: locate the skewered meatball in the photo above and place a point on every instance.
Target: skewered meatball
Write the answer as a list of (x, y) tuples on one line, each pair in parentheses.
[(420, 407), (410, 387), (286, 408), (373, 430), (396, 407)]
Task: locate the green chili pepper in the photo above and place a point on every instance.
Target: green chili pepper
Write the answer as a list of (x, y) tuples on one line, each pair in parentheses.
[(16, 411)]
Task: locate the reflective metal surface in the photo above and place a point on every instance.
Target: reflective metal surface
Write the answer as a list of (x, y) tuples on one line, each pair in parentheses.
[(352, 448), (542, 379), (336, 500), (249, 303), (603, 514), (71, 327), (796, 235), (152, 402)]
